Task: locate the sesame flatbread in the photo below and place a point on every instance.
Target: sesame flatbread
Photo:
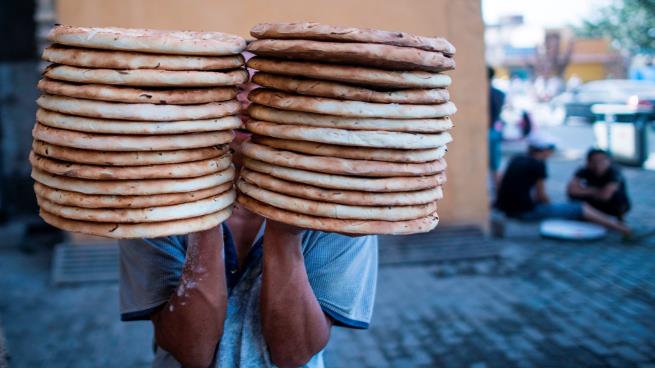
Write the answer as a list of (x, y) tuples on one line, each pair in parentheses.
[(330, 106), (130, 143), (265, 113), (357, 75), (342, 91), (98, 172), (357, 138), (112, 59), (357, 153), (149, 40), (139, 215), (143, 230), (112, 126), (324, 32), (332, 210), (100, 157), (74, 199), (159, 96), (348, 197), (147, 77), (421, 225), (332, 181), (342, 166), (133, 187), (142, 112), (350, 53)]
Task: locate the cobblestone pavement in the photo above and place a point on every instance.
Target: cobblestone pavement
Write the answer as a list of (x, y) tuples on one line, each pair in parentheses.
[(561, 305), (545, 304)]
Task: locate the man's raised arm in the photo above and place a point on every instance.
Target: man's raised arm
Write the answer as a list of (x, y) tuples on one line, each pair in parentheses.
[(190, 325), (294, 325)]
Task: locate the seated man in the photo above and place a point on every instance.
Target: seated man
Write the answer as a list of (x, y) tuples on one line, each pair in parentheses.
[(522, 191), (601, 185)]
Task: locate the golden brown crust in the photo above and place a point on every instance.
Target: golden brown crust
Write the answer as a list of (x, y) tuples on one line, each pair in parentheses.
[(348, 197), (342, 166), (357, 153), (376, 55), (133, 187), (99, 157), (341, 91), (98, 172), (358, 75), (68, 198), (140, 112), (331, 106), (324, 32), (333, 181), (130, 143), (362, 227), (145, 230), (112, 59), (149, 40), (147, 77), (104, 92)]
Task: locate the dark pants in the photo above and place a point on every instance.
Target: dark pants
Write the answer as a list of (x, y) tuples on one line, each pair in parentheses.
[(616, 206)]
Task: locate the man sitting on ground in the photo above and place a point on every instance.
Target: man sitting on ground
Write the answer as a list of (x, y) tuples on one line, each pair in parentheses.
[(522, 191), (601, 185)]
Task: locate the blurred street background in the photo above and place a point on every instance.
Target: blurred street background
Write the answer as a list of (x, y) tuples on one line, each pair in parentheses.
[(458, 297)]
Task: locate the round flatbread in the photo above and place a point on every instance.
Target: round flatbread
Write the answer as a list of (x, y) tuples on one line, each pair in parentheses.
[(139, 215), (147, 77), (338, 211), (141, 112), (165, 171), (357, 75), (66, 198), (348, 197), (133, 187), (421, 225), (367, 54), (94, 125), (144, 230), (342, 166), (318, 88), (324, 32), (265, 113), (332, 181), (103, 92), (330, 106), (358, 138), (149, 40), (105, 142), (90, 58), (357, 153), (97, 157)]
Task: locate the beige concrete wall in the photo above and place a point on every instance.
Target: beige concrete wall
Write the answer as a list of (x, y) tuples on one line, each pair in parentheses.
[(459, 21)]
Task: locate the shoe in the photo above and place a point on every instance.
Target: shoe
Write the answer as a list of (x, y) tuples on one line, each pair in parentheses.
[(637, 235)]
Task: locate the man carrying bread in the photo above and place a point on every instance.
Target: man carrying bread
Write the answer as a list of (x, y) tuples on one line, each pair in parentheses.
[(248, 293)]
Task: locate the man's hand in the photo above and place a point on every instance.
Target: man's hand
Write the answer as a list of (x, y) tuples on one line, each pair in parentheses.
[(190, 325), (294, 326)]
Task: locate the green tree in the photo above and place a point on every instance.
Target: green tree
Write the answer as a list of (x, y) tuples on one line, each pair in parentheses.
[(629, 23)]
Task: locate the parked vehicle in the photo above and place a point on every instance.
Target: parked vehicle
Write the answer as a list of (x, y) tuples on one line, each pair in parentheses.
[(578, 102)]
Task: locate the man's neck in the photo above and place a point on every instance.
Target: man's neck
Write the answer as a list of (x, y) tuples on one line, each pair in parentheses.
[(244, 226)]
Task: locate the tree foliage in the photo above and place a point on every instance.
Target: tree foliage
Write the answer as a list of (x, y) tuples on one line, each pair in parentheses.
[(629, 23)]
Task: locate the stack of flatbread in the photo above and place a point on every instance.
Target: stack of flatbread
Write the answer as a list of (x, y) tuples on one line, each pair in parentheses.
[(350, 128), (132, 130)]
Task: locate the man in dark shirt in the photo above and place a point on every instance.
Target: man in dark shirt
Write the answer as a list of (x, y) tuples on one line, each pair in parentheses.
[(522, 191), (601, 185)]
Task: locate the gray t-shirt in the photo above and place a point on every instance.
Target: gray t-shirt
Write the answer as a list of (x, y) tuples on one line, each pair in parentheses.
[(342, 272)]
